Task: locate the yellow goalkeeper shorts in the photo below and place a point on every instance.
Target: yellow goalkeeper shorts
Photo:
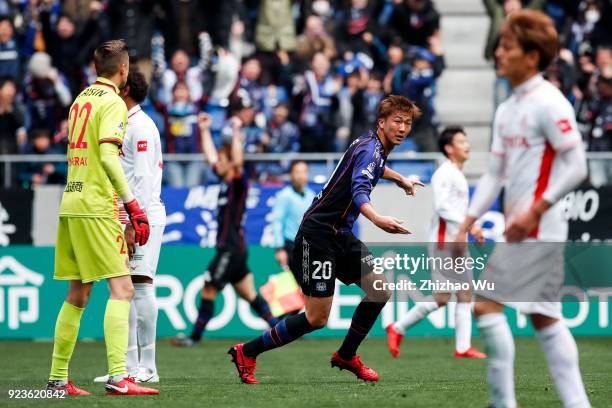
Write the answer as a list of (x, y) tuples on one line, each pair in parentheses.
[(90, 249)]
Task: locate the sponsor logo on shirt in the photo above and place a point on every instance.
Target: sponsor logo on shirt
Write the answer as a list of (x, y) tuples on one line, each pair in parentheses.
[(321, 286), (369, 170), (142, 145), (516, 141)]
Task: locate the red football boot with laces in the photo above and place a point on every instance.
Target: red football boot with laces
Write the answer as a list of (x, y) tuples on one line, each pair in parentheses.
[(355, 366), (128, 386), (245, 365), (69, 388)]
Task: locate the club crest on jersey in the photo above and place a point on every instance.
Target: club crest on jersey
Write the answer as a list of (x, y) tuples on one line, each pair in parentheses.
[(142, 145), (564, 125)]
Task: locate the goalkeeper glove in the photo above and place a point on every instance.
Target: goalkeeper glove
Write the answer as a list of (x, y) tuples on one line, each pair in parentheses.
[(139, 221)]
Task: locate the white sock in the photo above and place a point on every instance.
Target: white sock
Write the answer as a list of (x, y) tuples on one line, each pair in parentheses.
[(414, 315), (147, 323), (562, 356), (131, 358), (499, 345), (463, 326)]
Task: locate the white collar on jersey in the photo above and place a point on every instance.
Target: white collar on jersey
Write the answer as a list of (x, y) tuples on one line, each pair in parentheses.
[(528, 85), (135, 109)]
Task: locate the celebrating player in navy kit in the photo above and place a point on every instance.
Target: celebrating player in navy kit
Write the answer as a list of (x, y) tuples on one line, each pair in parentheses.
[(327, 249)]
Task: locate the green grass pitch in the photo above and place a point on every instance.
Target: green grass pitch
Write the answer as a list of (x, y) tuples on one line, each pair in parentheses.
[(300, 375)]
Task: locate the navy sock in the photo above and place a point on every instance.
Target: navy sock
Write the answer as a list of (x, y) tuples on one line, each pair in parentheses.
[(207, 309), (363, 319), (283, 333), (263, 310)]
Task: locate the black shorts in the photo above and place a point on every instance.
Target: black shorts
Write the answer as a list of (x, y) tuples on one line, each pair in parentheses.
[(228, 266), (326, 258), (295, 267)]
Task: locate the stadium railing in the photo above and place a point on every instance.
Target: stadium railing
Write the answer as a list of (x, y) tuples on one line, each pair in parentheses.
[(322, 164)]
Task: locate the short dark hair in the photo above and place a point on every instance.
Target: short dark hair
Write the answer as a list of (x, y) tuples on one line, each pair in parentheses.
[(295, 163), (447, 136), (534, 30), (137, 83), (394, 103), (109, 56)]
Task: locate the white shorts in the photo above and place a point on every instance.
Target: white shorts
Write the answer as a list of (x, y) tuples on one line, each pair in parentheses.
[(450, 277), (528, 276), (145, 258)]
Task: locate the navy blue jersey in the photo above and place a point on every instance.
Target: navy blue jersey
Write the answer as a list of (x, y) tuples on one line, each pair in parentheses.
[(231, 206), (336, 207)]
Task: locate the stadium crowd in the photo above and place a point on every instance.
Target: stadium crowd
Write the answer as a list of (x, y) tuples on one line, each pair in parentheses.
[(302, 76)]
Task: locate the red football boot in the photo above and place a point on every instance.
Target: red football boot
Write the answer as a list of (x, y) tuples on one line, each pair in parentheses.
[(471, 353), (245, 365), (128, 386), (355, 366), (394, 339), (68, 387)]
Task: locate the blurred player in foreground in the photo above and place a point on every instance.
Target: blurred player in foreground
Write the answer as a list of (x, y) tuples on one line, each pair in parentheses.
[(289, 208), (450, 195), (327, 249), (141, 159), (230, 262), (90, 241), (537, 156)]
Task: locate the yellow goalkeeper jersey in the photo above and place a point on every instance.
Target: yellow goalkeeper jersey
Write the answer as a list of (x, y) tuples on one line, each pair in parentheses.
[(98, 115)]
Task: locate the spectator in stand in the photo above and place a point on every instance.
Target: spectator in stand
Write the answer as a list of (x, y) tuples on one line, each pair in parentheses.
[(398, 69), (600, 129), (365, 105), (37, 173), (238, 44), (12, 132), (181, 134), (249, 86), (9, 53), (314, 39), (283, 136), (592, 24), (357, 28), (69, 48), (136, 21), (274, 31), (197, 77), (420, 87), (316, 99), (46, 92), (252, 130), (414, 21)]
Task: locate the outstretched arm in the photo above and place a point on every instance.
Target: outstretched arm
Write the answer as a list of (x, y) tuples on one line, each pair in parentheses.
[(405, 183)]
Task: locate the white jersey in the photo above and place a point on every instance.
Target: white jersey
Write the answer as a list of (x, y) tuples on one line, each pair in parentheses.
[(141, 159), (450, 197), (529, 129)]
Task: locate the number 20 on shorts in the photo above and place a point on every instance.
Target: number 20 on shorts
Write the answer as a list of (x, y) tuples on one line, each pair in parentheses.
[(323, 270)]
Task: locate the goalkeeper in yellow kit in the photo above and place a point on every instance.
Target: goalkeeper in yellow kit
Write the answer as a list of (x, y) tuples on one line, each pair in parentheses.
[(90, 241)]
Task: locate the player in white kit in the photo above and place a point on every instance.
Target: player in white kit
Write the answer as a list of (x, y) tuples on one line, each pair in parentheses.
[(141, 159), (450, 195), (537, 157)]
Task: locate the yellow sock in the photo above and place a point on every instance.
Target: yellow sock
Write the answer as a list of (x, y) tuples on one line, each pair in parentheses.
[(66, 333), (116, 329)]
